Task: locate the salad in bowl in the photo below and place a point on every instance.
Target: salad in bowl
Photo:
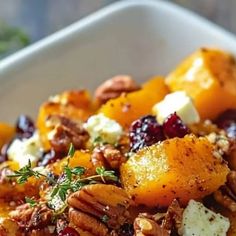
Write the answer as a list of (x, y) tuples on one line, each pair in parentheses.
[(151, 159)]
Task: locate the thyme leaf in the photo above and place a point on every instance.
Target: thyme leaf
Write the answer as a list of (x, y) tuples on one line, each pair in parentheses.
[(30, 201)]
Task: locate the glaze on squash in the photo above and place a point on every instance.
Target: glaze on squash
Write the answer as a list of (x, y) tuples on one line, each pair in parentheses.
[(182, 168), (209, 77)]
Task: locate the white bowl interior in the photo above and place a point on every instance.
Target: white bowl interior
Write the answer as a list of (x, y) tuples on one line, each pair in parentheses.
[(137, 38)]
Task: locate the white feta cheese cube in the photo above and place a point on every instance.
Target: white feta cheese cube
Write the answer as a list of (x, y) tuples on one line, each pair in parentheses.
[(177, 102), (22, 151), (100, 126), (199, 220)]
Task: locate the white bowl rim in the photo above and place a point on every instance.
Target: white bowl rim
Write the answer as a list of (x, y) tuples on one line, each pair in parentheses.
[(22, 56)]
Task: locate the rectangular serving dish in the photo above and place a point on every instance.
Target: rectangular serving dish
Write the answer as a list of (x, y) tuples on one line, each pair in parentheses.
[(140, 38)]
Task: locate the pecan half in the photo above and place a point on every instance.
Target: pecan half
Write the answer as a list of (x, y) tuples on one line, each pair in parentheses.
[(66, 131), (32, 217), (107, 155), (87, 223), (114, 87), (226, 195), (148, 227), (105, 202)]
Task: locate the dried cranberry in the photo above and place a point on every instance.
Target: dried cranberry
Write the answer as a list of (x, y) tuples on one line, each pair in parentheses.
[(145, 132), (68, 231), (126, 230), (24, 127), (227, 121), (173, 126)]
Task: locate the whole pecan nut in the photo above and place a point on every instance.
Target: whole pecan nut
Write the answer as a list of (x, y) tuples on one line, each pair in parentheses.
[(105, 202), (66, 131), (107, 155), (32, 217), (114, 87), (85, 222)]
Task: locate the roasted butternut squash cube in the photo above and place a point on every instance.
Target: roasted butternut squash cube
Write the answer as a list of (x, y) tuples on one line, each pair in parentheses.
[(129, 107), (10, 190), (209, 77), (6, 133), (80, 158), (182, 168), (75, 105)]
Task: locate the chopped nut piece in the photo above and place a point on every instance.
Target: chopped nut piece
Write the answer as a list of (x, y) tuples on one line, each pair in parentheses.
[(231, 180), (173, 217), (87, 223), (114, 87), (107, 155), (66, 131), (101, 200), (226, 195), (61, 224), (203, 128), (148, 227), (169, 221), (221, 144), (225, 200), (231, 155), (32, 217)]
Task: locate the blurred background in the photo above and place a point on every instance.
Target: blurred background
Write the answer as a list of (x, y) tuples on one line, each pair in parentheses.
[(26, 21)]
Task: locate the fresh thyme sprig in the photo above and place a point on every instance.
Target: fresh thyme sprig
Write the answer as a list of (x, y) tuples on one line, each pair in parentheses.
[(71, 179), (30, 201), (26, 172)]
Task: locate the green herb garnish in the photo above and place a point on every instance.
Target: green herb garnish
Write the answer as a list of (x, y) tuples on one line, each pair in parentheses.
[(26, 172), (31, 201), (71, 151), (106, 174), (71, 180)]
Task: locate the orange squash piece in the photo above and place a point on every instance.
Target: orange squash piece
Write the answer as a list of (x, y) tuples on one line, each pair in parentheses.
[(129, 107), (75, 105), (209, 77), (13, 191), (80, 158), (6, 133), (182, 168)]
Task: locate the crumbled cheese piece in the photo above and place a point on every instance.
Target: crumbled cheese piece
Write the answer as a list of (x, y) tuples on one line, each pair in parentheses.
[(199, 220), (22, 151), (104, 128), (177, 102), (56, 203)]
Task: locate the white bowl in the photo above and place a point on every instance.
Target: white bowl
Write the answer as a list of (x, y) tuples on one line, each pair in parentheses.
[(140, 38)]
